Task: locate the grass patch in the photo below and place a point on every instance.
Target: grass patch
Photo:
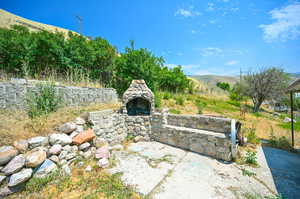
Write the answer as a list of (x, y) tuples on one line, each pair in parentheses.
[(82, 184), (174, 111), (280, 142), (16, 124), (179, 100), (288, 125)]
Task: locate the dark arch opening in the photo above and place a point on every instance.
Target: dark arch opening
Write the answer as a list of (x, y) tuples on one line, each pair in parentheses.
[(138, 106)]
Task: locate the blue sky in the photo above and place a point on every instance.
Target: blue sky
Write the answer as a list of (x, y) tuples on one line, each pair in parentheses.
[(205, 37)]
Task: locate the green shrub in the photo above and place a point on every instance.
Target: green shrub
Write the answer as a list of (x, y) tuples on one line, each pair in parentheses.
[(251, 158), (281, 142), (174, 111), (44, 101), (179, 100), (200, 105), (157, 100), (167, 95), (251, 136)]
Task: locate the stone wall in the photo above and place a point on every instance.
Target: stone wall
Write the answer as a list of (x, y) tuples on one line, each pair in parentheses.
[(12, 93), (109, 124), (139, 126), (195, 133)]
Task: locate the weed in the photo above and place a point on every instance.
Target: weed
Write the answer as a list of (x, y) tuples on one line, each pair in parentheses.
[(251, 158), (251, 135), (174, 111), (167, 95), (200, 105), (179, 100), (282, 142), (246, 172), (257, 114), (44, 101)]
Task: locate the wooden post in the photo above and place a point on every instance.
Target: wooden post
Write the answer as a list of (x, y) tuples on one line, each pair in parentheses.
[(292, 116)]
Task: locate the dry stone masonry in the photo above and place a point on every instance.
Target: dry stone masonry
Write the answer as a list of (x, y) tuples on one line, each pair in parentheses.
[(12, 93), (105, 130)]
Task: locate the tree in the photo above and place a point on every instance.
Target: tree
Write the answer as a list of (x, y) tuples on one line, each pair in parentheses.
[(264, 85), (223, 85)]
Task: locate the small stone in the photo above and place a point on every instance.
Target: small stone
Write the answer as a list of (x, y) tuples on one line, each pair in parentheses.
[(5, 191), (79, 164), (20, 177), (7, 153), (67, 148), (73, 134), (63, 162), (2, 178), (93, 150), (117, 147), (79, 129), (102, 152), (74, 148), (15, 165), (68, 127), (88, 168), (63, 155), (84, 146), (138, 138), (79, 121), (46, 168), (21, 145), (38, 141), (55, 149), (99, 142), (70, 156), (66, 170), (35, 158), (54, 158), (103, 163), (62, 139), (88, 154), (84, 136)]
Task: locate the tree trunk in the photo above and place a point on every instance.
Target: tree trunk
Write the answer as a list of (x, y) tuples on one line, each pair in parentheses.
[(257, 105)]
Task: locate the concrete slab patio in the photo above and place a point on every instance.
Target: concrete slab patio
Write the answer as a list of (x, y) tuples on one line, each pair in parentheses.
[(161, 171)]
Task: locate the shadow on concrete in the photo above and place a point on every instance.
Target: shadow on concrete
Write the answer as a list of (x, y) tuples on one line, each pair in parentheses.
[(285, 169)]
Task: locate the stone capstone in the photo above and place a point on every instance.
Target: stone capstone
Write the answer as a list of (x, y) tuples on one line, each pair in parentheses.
[(7, 153), (55, 149), (21, 145), (35, 158), (15, 165), (68, 127), (84, 136), (20, 177), (46, 168), (62, 139), (38, 141)]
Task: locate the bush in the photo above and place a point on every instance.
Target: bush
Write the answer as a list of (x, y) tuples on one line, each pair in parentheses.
[(179, 100), (200, 105), (44, 101), (281, 142), (223, 85), (251, 158), (251, 136)]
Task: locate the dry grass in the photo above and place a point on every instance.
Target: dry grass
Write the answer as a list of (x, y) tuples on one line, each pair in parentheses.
[(96, 184), (15, 124)]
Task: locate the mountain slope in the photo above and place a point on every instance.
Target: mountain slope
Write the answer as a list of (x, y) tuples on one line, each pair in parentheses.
[(8, 19)]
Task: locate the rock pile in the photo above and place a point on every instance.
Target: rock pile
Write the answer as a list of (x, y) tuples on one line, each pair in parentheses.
[(39, 156)]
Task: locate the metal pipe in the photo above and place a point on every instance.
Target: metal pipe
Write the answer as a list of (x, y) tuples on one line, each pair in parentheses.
[(292, 116)]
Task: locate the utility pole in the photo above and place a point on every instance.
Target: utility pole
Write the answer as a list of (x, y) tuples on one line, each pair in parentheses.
[(80, 22)]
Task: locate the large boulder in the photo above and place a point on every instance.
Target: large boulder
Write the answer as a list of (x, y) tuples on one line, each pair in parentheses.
[(62, 139), (84, 136), (46, 168), (21, 145), (7, 153), (68, 127), (55, 149), (15, 165), (20, 177), (35, 158), (38, 141), (102, 152)]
